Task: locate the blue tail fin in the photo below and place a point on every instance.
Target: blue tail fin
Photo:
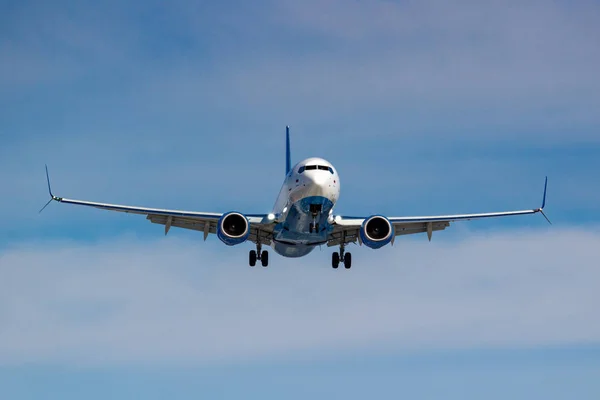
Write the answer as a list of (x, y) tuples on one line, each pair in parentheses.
[(288, 161)]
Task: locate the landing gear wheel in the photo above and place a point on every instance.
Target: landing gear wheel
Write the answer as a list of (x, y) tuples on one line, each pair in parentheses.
[(310, 227), (335, 260), (317, 227), (264, 258), (347, 260), (252, 258)]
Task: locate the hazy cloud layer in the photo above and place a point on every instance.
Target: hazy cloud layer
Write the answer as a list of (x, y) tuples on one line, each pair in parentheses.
[(175, 301), (482, 69)]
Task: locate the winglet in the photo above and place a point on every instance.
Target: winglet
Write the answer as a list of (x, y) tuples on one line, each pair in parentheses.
[(544, 199), (48, 180), (52, 197), (541, 209), (288, 161)]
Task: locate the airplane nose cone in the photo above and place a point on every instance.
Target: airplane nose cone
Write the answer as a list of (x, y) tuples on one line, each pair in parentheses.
[(318, 178), (318, 183)]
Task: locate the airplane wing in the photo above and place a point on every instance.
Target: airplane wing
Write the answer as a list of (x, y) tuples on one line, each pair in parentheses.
[(346, 229), (199, 221)]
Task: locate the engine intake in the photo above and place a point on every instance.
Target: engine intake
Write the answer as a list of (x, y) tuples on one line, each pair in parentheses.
[(376, 231), (233, 228)]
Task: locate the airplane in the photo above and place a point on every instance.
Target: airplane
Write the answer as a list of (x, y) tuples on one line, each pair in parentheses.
[(301, 219)]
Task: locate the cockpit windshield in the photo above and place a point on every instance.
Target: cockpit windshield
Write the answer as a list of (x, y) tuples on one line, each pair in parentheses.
[(313, 167)]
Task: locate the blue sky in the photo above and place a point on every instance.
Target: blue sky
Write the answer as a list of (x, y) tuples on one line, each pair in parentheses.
[(423, 107)]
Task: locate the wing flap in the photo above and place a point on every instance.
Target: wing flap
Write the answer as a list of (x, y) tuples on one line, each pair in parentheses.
[(185, 223), (350, 234), (407, 229), (343, 236), (260, 235)]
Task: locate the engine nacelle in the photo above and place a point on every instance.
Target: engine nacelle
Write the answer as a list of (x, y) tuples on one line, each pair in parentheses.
[(233, 228), (376, 231)]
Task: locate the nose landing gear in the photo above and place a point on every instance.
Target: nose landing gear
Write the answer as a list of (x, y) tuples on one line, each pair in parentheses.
[(343, 257), (257, 254), (315, 211)]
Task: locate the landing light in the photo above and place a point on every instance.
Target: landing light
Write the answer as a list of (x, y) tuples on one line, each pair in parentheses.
[(271, 217)]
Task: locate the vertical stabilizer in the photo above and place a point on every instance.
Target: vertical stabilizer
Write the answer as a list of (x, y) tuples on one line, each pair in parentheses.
[(288, 161)]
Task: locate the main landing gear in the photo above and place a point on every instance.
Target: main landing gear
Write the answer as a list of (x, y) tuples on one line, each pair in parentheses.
[(342, 257), (257, 254)]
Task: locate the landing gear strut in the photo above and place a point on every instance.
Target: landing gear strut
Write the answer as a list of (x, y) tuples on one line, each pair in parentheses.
[(343, 257), (315, 210), (313, 226), (257, 254)]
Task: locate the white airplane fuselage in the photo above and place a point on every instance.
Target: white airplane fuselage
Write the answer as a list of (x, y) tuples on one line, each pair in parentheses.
[(304, 207)]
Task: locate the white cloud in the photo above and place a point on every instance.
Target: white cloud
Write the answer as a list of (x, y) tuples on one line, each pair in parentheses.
[(187, 302)]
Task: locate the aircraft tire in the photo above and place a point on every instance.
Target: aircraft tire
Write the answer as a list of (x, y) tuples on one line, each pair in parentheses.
[(264, 258), (347, 260), (252, 258), (335, 260)]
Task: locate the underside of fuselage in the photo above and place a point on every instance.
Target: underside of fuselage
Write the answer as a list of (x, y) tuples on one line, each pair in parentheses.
[(301, 230)]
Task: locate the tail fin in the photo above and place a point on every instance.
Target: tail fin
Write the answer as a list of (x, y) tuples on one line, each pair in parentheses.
[(288, 161)]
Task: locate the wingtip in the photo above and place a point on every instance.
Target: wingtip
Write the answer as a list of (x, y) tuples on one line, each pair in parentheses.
[(48, 181), (541, 209), (545, 188), (547, 219), (46, 205), (52, 196)]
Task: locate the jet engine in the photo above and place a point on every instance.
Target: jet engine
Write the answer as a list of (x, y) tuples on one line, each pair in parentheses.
[(233, 228), (376, 231)]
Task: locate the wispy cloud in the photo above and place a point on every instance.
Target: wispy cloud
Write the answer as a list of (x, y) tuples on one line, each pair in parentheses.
[(174, 301), (519, 72)]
